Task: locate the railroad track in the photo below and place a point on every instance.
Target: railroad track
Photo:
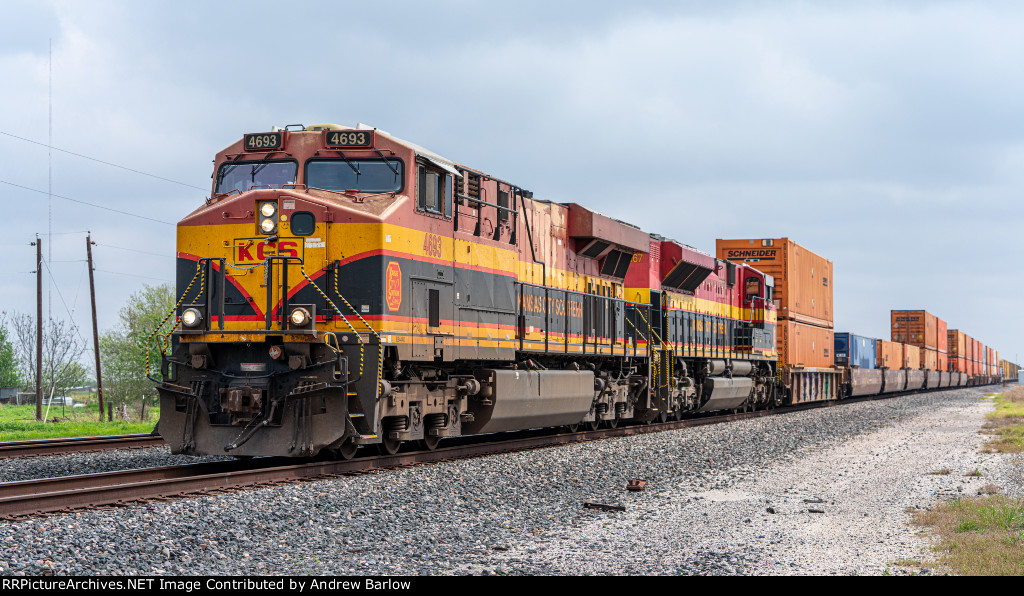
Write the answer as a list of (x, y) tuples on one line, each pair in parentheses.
[(51, 495), (77, 445)]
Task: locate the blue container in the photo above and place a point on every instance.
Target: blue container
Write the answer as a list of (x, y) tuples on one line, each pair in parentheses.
[(855, 350)]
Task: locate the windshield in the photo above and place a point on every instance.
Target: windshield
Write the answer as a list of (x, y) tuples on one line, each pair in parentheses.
[(246, 174), (364, 175)]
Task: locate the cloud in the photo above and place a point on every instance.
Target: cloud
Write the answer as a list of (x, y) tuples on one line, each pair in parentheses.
[(885, 135)]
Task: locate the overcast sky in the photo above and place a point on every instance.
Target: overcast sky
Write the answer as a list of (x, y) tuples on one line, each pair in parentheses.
[(886, 136)]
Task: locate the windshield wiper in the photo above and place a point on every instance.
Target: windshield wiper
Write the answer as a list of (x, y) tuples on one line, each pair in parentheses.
[(350, 164), (394, 170)]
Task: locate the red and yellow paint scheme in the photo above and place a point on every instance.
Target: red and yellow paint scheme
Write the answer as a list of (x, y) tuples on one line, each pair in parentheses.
[(714, 324), (343, 287)]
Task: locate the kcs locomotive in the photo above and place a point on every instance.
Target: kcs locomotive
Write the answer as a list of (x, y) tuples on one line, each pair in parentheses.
[(343, 287)]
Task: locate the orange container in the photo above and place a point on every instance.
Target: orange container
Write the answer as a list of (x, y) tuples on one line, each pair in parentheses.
[(809, 346), (890, 354), (930, 359), (803, 279), (957, 343), (958, 364), (943, 361), (941, 336), (915, 327), (912, 357)]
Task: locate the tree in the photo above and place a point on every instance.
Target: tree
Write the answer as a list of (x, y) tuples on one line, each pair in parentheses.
[(10, 375), (63, 345), (123, 349)]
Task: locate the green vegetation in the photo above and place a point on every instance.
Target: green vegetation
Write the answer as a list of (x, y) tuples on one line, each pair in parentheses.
[(10, 376), (1006, 423), (18, 423), (983, 536), (124, 350)]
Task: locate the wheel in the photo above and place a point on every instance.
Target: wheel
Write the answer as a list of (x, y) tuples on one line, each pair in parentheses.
[(390, 446), (612, 423), (431, 442), (677, 415), (593, 424), (573, 428), (663, 417), (347, 450)]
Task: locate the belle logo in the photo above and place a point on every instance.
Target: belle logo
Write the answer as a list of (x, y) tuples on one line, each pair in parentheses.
[(255, 251), (393, 285)]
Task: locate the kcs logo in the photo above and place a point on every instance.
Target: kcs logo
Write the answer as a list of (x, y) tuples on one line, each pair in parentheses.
[(393, 285), (248, 251)]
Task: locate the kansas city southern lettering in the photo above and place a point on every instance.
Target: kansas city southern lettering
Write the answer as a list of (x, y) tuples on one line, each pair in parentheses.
[(556, 306)]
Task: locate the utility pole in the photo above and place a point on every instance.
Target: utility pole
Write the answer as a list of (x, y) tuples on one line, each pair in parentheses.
[(39, 327), (95, 330)]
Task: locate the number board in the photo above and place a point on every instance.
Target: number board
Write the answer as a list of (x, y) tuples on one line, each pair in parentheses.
[(348, 138), (264, 141)]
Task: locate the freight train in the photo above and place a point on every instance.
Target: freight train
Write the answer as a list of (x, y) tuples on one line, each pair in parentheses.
[(343, 287)]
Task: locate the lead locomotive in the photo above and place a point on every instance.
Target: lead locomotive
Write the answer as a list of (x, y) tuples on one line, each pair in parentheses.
[(343, 287)]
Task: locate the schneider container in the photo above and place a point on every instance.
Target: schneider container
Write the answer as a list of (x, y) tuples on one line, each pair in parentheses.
[(803, 279)]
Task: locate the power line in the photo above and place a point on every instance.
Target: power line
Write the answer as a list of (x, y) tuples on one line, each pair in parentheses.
[(101, 161), (86, 203), (71, 316), (156, 254), (164, 280)]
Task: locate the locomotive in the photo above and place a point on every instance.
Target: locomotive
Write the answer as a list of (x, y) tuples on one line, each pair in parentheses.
[(343, 287)]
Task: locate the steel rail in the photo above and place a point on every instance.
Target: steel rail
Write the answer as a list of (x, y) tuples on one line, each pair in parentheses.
[(18, 499), (77, 445)]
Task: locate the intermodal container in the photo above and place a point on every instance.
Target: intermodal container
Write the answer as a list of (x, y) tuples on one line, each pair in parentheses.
[(976, 355), (915, 327), (889, 354), (930, 359), (943, 362), (803, 279), (911, 357), (959, 364), (855, 350), (809, 346), (941, 336), (957, 343)]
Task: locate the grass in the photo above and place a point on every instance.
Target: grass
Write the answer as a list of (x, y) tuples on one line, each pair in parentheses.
[(1006, 423), (983, 536), (18, 423)]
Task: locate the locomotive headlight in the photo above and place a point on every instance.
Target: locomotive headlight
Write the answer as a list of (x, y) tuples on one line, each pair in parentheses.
[(299, 317), (268, 225), (268, 209), (191, 317)]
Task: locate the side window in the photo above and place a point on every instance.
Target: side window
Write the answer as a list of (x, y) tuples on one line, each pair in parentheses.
[(433, 191), (753, 287)]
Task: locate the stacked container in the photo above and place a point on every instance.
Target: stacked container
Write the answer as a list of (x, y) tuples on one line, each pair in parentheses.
[(920, 328), (803, 291), (957, 343), (941, 345), (803, 295)]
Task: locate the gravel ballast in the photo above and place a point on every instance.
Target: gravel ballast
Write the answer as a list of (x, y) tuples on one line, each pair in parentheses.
[(815, 492)]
